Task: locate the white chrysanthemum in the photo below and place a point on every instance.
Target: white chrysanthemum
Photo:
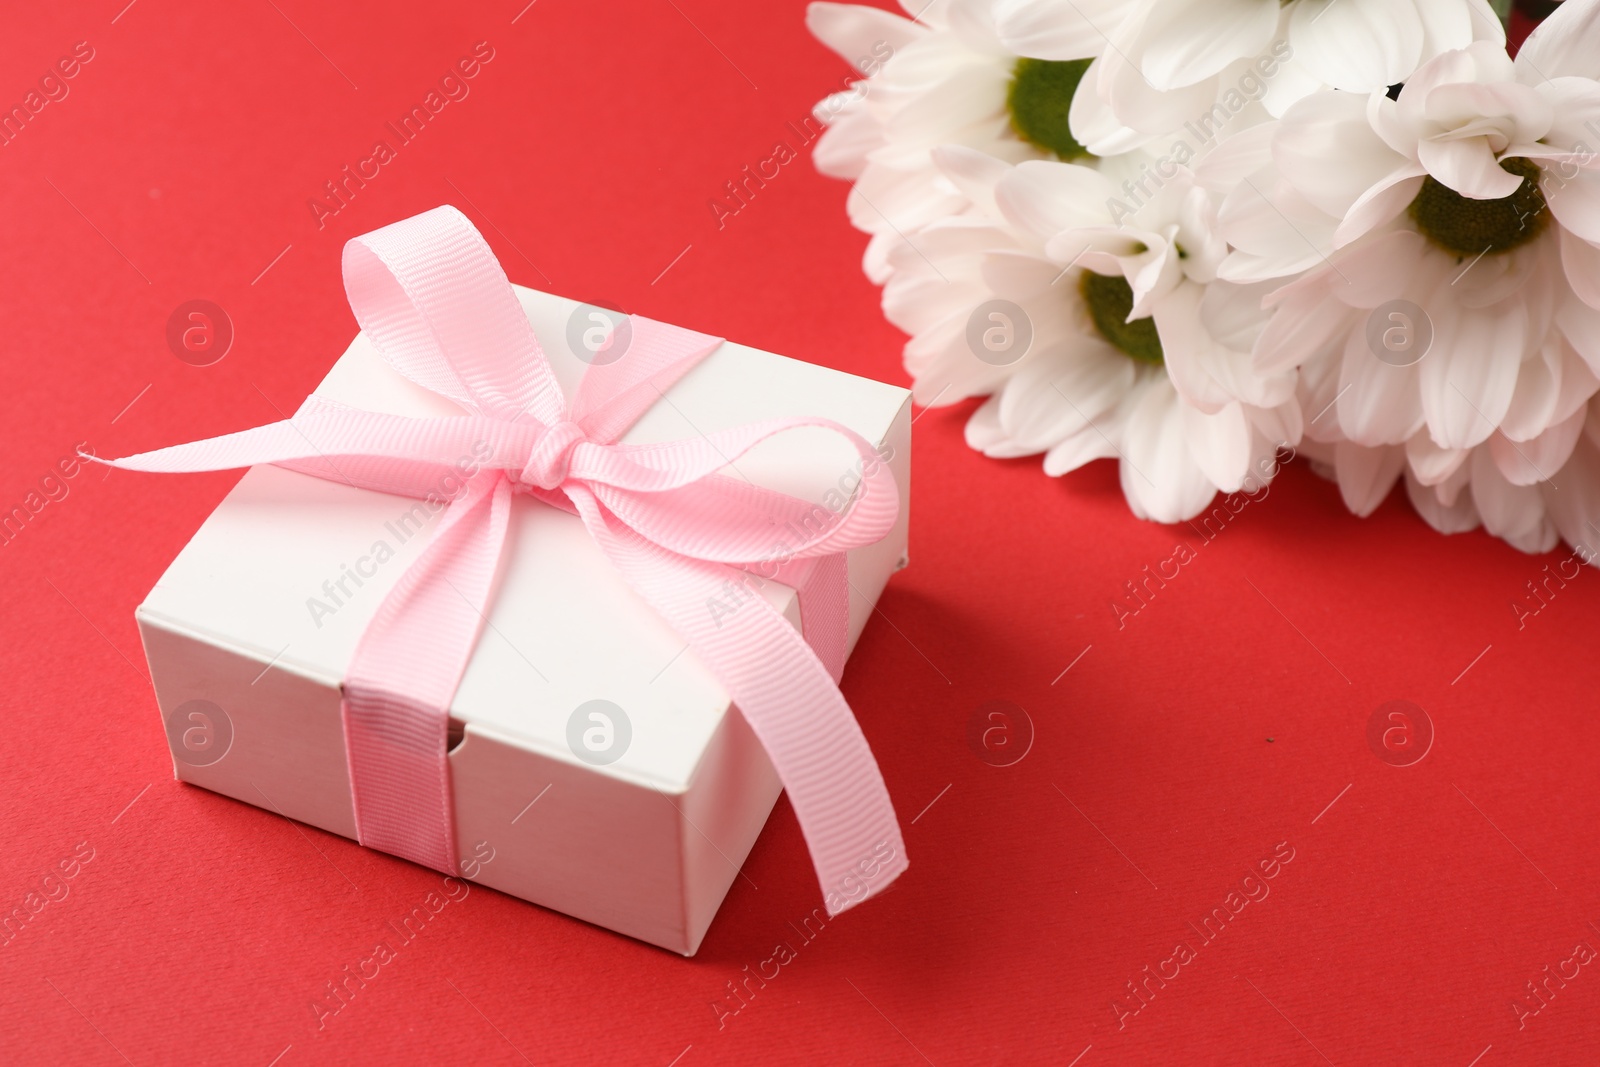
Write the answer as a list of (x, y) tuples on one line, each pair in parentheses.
[(1135, 352), (943, 78), (1464, 211), (1446, 327)]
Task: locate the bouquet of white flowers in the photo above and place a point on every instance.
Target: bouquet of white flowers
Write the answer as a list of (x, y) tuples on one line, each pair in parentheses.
[(1186, 234)]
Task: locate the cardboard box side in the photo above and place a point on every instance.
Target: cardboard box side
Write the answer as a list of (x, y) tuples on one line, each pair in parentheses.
[(591, 847), (721, 815), (596, 848), (871, 565), (283, 748)]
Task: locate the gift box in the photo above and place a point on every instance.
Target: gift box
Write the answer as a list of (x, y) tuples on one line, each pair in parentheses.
[(596, 765)]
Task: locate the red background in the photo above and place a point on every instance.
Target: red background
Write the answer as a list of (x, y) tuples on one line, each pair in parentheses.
[(1224, 718)]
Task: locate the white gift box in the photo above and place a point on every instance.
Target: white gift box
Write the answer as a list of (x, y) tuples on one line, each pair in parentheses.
[(249, 632)]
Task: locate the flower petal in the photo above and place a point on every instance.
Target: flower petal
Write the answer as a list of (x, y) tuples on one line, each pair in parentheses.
[(1564, 43), (1237, 158), (1219, 444), (875, 258), (1449, 24), (1459, 516), (1580, 325), (1470, 374), (1577, 205), (1062, 391), (1282, 427), (1199, 366), (984, 433), (1090, 443), (1575, 103), (1160, 480), (1328, 150), (1578, 383), (1141, 105), (1380, 204), (1575, 507), (976, 174), (1366, 475), (1378, 404), (1469, 167), (1504, 111), (1538, 460), (898, 201), (1095, 124), (1057, 29), (1357, 45), (1289, 86), (1581, 260), (1032, 281), (857, 32), (1538, 389), (944, 370), (1233, 313), (1186, 42), (852, 133), (1318, 393), (1430, 464), (1045, 197), (1510, 510), (1302, 329), (971, 96), (1386, 266), (1274, 230)]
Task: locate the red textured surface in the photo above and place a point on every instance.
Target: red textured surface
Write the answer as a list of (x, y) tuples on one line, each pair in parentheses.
[(1176, 753)]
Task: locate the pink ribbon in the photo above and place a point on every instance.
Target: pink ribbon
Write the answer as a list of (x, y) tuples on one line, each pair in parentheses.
[(433, 299)]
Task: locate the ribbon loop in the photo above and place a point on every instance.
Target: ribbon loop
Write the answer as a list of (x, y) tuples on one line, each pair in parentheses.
[(432, 297)]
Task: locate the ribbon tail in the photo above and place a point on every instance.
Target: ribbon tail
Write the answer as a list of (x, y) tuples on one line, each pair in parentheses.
[(388, 453), (790, 700), (404, 674), (275, 442)]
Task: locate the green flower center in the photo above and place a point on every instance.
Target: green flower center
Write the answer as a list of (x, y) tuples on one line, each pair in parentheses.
[(1040, 99), (1469, 227), (1110, 299)]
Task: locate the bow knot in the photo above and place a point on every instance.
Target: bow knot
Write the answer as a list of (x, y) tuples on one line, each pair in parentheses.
[(551, 458)]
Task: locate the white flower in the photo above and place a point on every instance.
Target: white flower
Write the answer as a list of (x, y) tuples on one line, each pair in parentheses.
[(1133, 355), (941, 79), (1052, 197), (1467, 207)]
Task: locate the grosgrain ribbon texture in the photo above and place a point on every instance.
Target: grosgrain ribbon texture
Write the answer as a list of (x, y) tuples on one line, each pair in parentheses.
[(433, 299)]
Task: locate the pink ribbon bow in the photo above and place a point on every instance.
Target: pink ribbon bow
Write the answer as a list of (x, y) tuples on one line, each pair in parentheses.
[(433, 299)]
